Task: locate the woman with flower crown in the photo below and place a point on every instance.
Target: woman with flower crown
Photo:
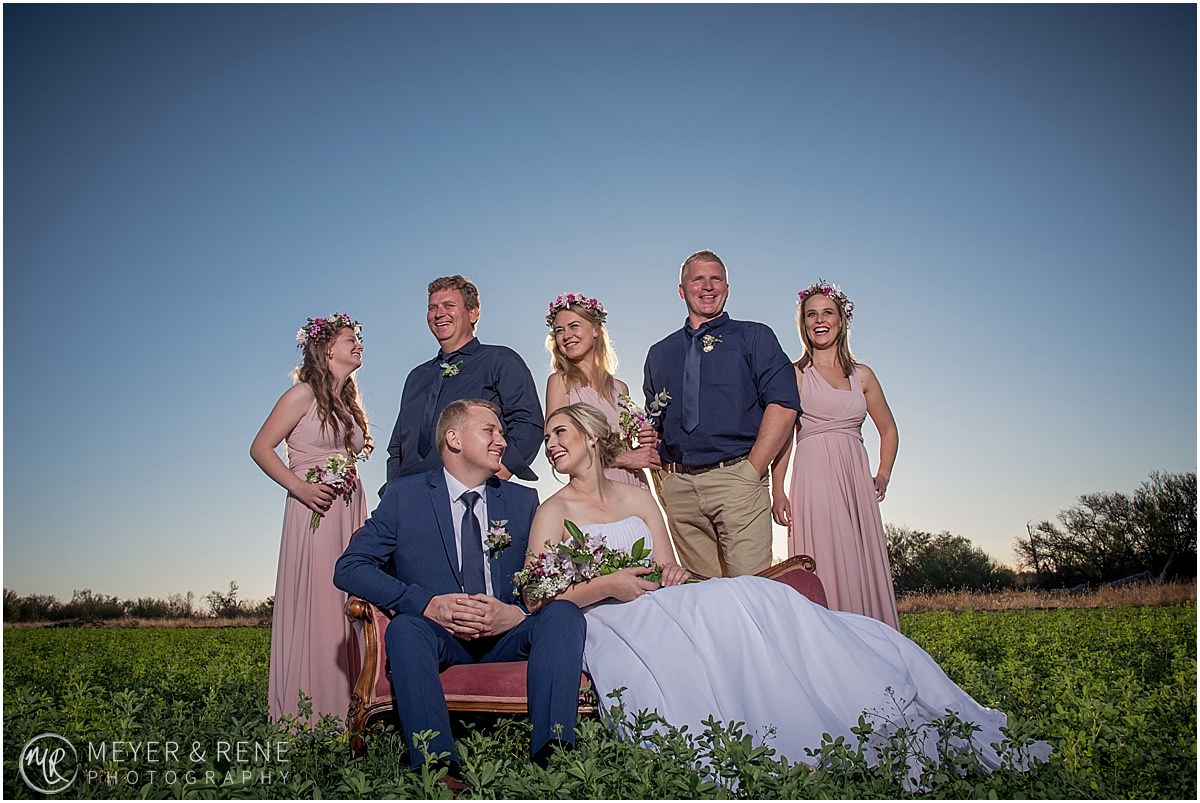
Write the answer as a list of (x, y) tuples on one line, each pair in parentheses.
[(744, 649), (322, 419), (833, 513), (582, 362)]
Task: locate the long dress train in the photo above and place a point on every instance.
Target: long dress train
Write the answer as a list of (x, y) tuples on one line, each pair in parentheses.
[(755, 650), (312, 643)]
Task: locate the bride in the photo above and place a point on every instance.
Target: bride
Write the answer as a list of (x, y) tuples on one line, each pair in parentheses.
[(741, 649)]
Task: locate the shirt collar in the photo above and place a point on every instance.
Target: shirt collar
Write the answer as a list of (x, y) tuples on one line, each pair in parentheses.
[(715, 323), (466, 350), (457, 489)]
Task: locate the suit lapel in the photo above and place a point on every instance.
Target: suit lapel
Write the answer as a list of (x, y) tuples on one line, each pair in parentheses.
[(497, 506), (439, 497)]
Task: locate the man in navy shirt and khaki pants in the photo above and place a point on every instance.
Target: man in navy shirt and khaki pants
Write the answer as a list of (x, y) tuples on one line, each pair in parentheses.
[(733, 406)]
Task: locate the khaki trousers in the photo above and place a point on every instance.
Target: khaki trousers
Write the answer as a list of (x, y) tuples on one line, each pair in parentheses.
[(720, 520)]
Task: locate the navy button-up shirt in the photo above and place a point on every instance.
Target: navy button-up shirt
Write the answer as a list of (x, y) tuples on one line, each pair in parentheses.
[(739, 377), (494, 373)]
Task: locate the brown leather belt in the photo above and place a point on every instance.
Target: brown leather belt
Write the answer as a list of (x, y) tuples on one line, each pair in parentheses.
[(680, 468)]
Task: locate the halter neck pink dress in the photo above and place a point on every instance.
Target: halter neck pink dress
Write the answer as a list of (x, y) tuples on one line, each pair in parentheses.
[(835, 516), (311, 640), (589, 395)]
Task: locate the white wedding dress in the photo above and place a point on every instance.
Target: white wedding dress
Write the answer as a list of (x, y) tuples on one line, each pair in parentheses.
[(756, 651)]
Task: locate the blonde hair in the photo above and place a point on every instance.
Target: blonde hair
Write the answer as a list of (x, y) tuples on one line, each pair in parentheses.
[(455, 416), (592, 423), (337, 413), (845, 357), (604, 359), (702, 256)]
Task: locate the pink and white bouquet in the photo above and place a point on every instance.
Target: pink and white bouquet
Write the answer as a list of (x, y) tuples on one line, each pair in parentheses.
[(340, 474), (634, 418), (580, 558)]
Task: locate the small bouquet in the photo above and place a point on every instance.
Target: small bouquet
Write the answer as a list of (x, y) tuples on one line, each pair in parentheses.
[(340, 474), (633, 417), (580, 558)]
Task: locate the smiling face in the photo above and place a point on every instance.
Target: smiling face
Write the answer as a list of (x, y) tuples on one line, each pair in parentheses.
[(704, 290), (567, 447), (821, 321), (449, 319), (344, 352), (475, 446), (574, 335)]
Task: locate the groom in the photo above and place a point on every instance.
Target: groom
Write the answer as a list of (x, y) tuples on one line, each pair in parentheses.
[(451, 597)]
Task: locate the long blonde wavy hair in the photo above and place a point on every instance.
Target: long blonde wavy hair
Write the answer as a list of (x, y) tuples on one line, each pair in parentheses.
[(604, 359)]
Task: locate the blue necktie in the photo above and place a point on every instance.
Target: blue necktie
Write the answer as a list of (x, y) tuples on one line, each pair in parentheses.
[(472, 547), (691, 382), (429, 416)]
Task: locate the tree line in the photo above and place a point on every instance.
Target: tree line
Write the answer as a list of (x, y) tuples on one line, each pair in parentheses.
[(88, 606), (1113, 538)]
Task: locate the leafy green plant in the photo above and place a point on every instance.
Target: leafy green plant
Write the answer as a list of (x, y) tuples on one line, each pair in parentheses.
[(1113, 690)]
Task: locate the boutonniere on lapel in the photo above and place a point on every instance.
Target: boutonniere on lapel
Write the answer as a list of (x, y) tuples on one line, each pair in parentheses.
[(497, 537), (450, 368), (710, 342)]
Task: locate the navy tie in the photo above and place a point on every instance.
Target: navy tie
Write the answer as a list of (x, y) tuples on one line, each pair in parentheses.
[(691, 383), (429, 416), (472, 547)]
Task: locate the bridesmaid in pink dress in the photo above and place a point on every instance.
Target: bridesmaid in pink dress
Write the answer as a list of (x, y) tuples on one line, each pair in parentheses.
[(320, 415), (582, 363), (833, 514)]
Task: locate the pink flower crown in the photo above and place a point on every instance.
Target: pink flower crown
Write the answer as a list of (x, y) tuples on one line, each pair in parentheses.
[(320, 328), (575, 299), (828, 290)]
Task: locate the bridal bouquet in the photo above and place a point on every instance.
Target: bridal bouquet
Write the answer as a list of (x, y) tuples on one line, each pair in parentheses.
[(633, 417), (580, 558), (340, 474)]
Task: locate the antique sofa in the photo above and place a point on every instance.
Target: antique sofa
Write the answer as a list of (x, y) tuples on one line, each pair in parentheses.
[(495, 687)]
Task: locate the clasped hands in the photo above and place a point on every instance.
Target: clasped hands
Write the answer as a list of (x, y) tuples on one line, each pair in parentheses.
[(472, 616)]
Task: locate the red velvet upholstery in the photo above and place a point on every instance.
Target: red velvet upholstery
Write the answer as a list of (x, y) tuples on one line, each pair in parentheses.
[(498, 687)]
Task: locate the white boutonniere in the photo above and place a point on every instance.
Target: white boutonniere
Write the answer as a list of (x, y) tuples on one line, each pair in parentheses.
[(450, 369), (497, 537), (710, 341)]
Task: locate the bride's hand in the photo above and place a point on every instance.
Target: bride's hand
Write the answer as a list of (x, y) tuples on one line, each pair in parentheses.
[(673, 575), (627, 585)]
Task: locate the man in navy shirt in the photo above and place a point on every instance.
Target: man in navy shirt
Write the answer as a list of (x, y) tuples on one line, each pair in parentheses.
[(464, 368), (733, 406)]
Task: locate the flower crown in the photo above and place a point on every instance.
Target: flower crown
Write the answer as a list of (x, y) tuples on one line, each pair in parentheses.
[(829, 291), (575, 299), (319, 328)]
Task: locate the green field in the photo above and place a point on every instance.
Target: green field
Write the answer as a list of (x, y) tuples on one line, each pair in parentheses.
[(181, 713)]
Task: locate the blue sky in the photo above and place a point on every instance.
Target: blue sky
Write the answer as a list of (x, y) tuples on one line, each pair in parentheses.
[(1007, 193)]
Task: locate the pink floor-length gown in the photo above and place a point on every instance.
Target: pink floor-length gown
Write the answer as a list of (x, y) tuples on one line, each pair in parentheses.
[(312, 642), (835, 515), (589, 395)]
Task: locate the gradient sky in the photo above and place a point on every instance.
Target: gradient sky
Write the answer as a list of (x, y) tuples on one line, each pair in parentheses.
[(1008, 193)]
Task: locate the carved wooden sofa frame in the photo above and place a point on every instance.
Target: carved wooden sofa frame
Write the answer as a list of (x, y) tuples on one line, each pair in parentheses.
[(496, 687)]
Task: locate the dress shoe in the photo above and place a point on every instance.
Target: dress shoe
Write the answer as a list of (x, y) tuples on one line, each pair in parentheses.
[(454, 784), (542, 756)]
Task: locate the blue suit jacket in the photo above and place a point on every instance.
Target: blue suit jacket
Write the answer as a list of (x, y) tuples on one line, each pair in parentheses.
[(405, 554)]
